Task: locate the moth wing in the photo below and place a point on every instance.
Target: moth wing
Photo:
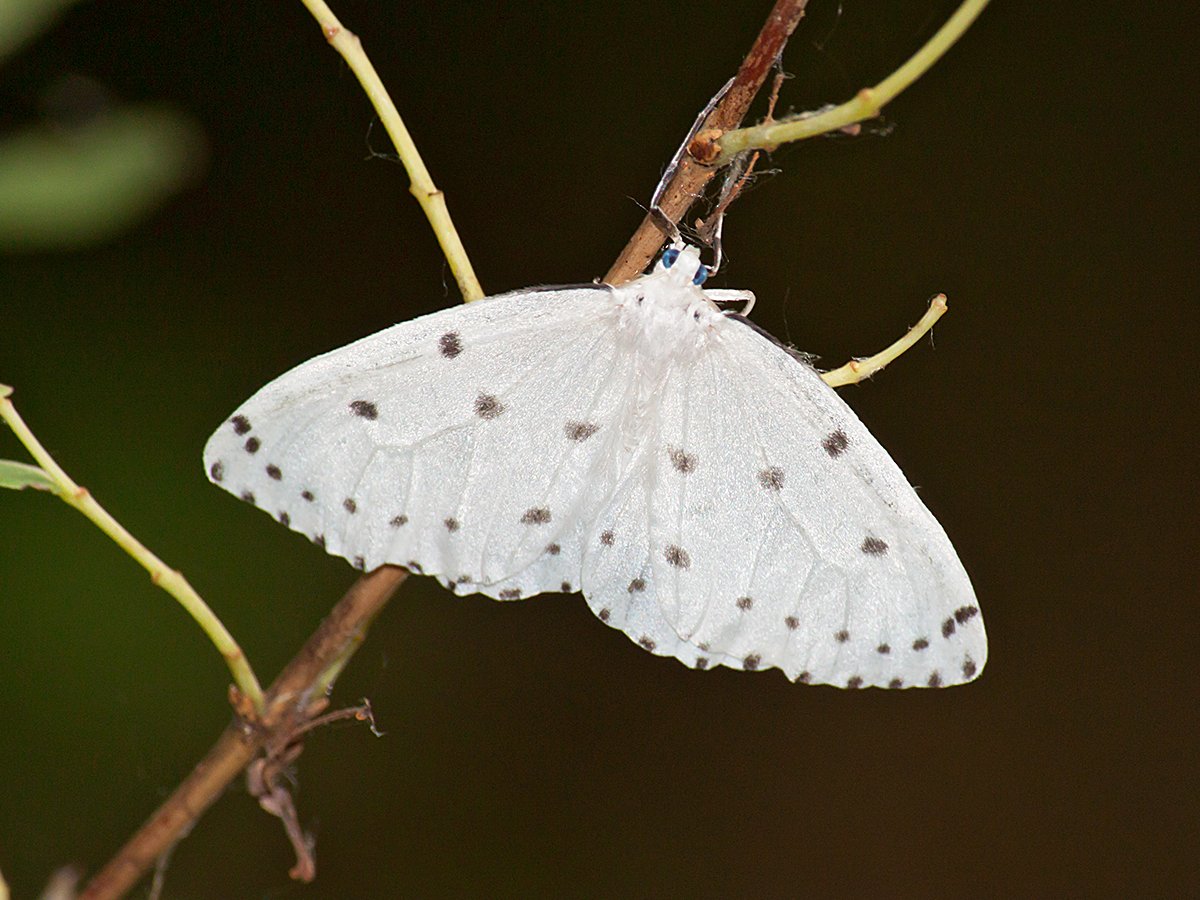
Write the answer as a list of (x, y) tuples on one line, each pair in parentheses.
[(462, 444), (618, 579), (782, 533)]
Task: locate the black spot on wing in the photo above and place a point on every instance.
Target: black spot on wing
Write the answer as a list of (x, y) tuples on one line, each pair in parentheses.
[(637, 585), (510, 594), (537, 515), (647, 642), (565, 587), (398, 521), (771, 478), (842, 636), (964, 614), (604, 615), (450, 345), (553, 549), (607, 538), (883, 649), (350, 505), (751, 662), (935, 680), (217, 472), (896, 683), (920, 644), (240, 424), (274, 473), (252, 445), (248, 496), (684, 463), (744, 603), (487, 406), (677, 556), (969, 668), (307, 496), (873, 546), (948, 627), (364, 408), (452, 524), (580, 431), (854, 682), (792, 623), (835, 443), (284, 519)]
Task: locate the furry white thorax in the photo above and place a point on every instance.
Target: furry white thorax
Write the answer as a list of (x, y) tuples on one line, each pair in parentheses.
[(665, 315)]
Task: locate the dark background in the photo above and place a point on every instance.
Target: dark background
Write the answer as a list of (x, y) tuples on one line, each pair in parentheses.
[(1041, 175)]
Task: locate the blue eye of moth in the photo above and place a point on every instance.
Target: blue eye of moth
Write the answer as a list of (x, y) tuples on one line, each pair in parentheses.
[(700, 276), (669, 257)]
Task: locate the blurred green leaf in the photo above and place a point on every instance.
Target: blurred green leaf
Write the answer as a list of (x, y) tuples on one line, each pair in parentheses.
[(21, 20), (66, 188), (18, 476)]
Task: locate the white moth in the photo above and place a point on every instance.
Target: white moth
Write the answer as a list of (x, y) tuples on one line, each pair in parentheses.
[(707, 492)]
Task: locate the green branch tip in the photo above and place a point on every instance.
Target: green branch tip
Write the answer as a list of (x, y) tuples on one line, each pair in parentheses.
[(170, 580), (859, 369), (866, 104)]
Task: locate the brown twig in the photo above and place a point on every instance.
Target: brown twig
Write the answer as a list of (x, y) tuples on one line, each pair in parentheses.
[(289, 703), (268, 778), (693, 174), (736, 181)]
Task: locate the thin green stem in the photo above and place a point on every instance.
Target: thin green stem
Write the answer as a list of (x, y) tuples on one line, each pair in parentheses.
[(858, 369), (866, 105), (323, 685), (170, 580), (432, 200)]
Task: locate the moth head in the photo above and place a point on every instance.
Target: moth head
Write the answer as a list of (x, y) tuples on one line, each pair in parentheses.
[(682, 265)]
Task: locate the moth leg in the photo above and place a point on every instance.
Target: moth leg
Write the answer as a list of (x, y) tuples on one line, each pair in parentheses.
[(721, 295), (668, 227)]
